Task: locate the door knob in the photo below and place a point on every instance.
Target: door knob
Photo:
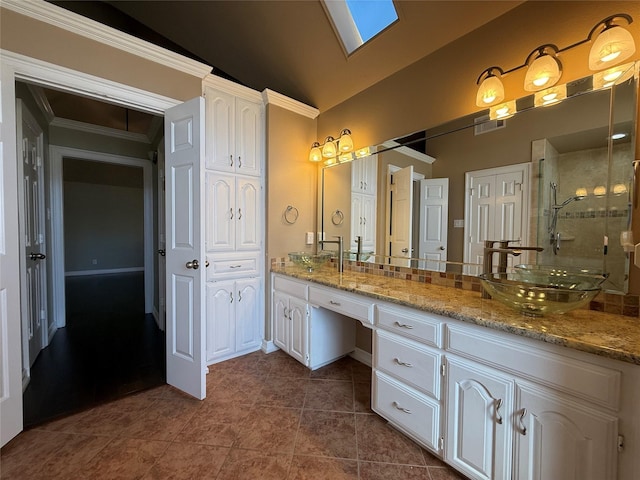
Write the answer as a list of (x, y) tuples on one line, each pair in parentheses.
[(37, 256), (193, 264), (162, 252), (405, 250), (441, 247)]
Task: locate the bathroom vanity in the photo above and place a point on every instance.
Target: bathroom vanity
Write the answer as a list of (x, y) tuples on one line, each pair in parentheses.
[(495, 394)]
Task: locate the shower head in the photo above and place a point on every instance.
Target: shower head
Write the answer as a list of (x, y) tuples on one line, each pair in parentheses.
[(567, 202)]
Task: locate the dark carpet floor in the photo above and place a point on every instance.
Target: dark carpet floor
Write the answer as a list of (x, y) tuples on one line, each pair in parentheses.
[(108, 349)]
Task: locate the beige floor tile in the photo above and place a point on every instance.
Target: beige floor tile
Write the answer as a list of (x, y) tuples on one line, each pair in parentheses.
[(183, 461), (283, 392), (385, 471), (316, 468), (378, 442), (269, 430), (163, 420), (330, 395), (327, 434), (253, 465)]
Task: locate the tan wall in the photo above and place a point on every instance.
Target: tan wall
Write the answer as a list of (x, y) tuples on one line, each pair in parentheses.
[(26, 36)]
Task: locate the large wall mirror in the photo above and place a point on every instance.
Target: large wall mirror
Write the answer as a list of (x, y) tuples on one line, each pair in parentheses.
[(560, 177)]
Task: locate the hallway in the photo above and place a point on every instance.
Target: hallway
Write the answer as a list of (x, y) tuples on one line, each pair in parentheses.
[(108, 349)]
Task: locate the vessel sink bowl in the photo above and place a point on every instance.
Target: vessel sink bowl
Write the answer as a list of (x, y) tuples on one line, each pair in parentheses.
[(564, 277), (351, 255), (310, 260), (535, 299)]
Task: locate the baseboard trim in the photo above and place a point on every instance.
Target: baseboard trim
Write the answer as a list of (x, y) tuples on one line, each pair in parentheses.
[(80, 273), (361, 356), (268, 346)]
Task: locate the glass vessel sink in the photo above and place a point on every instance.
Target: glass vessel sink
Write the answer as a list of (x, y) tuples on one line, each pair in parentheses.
[(563, 277), (351, 255), (533, 298), (310, 260)]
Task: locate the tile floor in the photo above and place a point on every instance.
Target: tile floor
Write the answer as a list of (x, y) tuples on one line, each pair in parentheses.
[(265, 417)]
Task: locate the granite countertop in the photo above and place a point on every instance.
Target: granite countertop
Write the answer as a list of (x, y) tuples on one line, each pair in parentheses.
[(608, 335)]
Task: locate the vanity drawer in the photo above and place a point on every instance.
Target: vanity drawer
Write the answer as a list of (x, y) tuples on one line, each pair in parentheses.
[(410, 323), (233, 265), (409, 410), (583, 379), (350, 306), (408, 361), (292, 287)]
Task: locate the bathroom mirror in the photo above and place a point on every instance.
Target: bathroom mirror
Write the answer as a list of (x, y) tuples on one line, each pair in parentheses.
[(568, 145)]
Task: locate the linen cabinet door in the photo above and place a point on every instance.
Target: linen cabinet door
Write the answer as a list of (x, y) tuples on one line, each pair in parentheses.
[(220, 320), (561, 438), (247, 216), (219, 151), (221, 212), (248, 146), (280, 318), (247, 321), (299, 338), (478, 434)]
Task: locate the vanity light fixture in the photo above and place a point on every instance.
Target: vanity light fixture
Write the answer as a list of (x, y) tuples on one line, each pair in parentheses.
[(618, 136), (600, 191), (613, 75), (611, 45), (619, 189), (581, 192), (503, 111), (332, 147), (550, 96)]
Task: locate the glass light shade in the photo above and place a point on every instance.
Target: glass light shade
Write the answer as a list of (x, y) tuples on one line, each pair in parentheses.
[(612, 46), (345, 157), (502, 111), (345, 141), (329, 148), (491, 91), (363, 152), (315, 155), (550, 96), (600, 191), (612, 76), (581, 192), (543, 72), (619, 189)]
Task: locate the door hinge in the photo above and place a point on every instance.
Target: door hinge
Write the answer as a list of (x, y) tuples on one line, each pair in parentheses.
[(620, 443), (443, 370), (441, 443), (471, 192)]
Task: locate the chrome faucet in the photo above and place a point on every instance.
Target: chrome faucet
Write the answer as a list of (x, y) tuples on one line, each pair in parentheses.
[(340, 251), (359, 250), (504, 250)]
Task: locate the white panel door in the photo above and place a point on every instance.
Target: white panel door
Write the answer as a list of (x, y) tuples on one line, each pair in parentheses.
[(220, 319), (434, 216), (162, 243), (221, 212), (280, 314), (247, 323), (401, 215), (248, 130), (220, 141), (184, 154), (559, 438), (299, 337), (248, 220), (481, 218)]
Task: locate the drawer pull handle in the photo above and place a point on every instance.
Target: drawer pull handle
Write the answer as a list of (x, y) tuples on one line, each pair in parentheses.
[(235, 266), (404, 325), (404, 364), (523, 428), (334, 303), (402, 409), (498, 414)]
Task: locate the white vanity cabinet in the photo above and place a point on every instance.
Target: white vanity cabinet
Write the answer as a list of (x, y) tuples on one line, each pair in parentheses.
[(234, 228), (290, 320), (364, 175)]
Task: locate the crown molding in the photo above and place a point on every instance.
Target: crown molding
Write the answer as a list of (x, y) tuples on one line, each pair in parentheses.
[(410, 152), (280, 100), (74, 23), (99, 130), (231, 88)]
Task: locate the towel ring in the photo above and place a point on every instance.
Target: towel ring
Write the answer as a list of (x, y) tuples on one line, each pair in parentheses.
[(290, 215), (337, 217)]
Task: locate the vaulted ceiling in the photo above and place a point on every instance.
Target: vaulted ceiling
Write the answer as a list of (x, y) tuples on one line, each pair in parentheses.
[(291, 46)]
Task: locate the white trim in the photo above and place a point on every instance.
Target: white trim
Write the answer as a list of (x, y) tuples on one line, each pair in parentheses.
[(280, 100), (99, 130), (361, 356), (56, 156), (62, 78), (409, 152), (231, 88), (42, 101), (74, 23), (108, 271), (268, 346)]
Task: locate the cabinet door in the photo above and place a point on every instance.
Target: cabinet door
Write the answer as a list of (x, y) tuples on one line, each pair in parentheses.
[(369, 173), (248, 127), (248, 218), (220, 320), (356, 217), (221, 212), (247, 321), (478, 436), (368, 230), (560, 438), (299, 330), (280, 319), (220, 130), (356, 175)]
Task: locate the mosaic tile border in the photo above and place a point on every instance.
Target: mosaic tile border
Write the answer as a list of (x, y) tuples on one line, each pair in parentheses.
[(627, 305)]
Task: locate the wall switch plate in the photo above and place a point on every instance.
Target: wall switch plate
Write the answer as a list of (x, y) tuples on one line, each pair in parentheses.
[(309, 238), (94, 261), (458, 223)]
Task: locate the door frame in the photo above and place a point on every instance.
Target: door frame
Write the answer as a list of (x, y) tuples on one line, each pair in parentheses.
[(55, 179), (16, 67)]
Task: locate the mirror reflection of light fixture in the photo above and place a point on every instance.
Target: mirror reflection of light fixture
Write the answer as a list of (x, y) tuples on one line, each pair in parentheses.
[(544, 71), (550, 96), (600, 191), (491, 90), (618, 136), (611, 45), (613, 75), (619, 189), (363, 152), (503, 111), (581, 192), (332, 147)]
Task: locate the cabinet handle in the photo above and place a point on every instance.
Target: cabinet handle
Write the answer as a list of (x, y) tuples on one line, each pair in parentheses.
[(286, 312), (235, 266), (230, 297), (402, 409), (403, 325), (334, 303), (498, 415), (239, 161), (231, 214), (239, 213), (365, 185), (523, 428), (240, 299), (404, 364), (231, 157)]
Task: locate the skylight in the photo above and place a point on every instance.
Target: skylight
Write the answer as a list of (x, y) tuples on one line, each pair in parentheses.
[(358, 21)]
